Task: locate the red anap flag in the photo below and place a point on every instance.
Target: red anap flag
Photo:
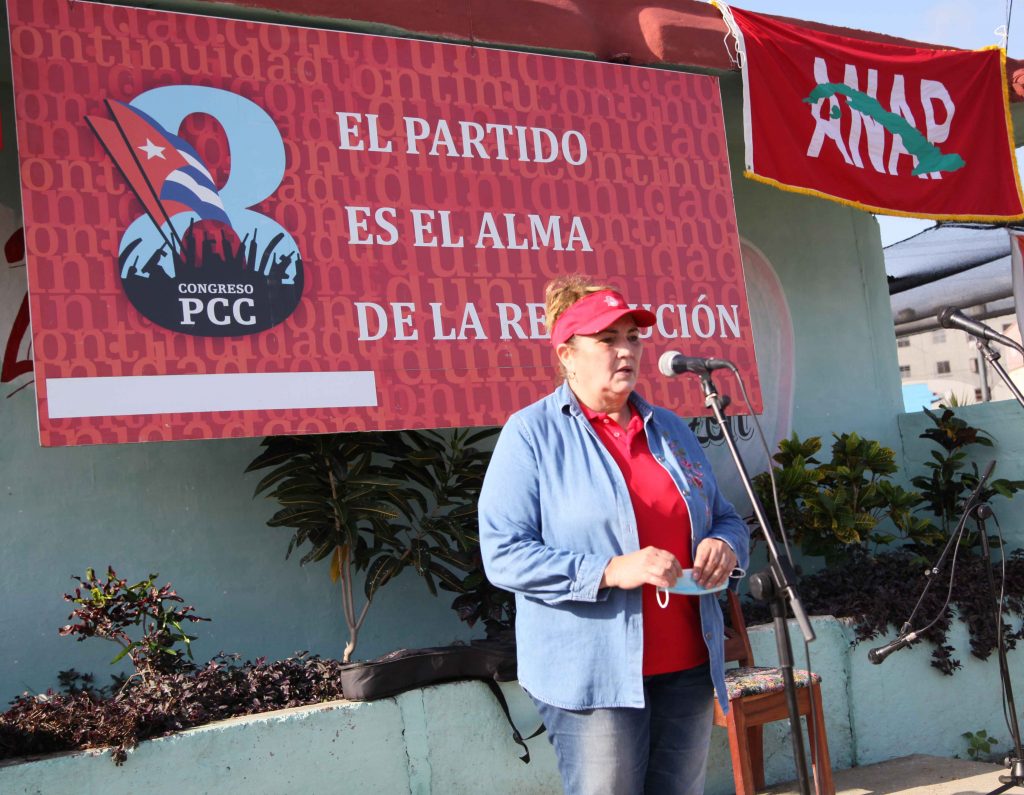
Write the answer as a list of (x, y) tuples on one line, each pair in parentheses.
[(886, 128)]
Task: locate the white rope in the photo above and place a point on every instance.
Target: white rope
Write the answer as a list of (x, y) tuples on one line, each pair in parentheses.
[(1003, 34), (732, 30)]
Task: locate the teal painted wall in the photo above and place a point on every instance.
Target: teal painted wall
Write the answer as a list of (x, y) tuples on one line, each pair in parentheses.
[(185, 509), (828, 258)]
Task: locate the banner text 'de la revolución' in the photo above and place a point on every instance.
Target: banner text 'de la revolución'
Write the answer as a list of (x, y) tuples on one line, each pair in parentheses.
[(243, 229)]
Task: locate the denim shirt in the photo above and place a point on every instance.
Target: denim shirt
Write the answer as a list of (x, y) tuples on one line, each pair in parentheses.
[(554, 510)]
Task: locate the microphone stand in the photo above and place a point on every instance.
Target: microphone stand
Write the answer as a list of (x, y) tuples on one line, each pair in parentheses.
[(980, 510), (1014, 763), (776, 586), (992, 357)]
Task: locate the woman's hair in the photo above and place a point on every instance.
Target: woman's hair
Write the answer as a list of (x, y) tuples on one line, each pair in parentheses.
[(563, 292), (560, 294)]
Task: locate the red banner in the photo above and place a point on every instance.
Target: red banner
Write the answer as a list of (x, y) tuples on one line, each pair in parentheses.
[(885, 128), (242, 229)]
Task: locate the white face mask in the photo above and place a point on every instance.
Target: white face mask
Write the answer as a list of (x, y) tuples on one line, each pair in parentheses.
[(688, 586)]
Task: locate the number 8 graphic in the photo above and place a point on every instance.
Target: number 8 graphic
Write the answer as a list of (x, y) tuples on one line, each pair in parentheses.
[(200, 261)]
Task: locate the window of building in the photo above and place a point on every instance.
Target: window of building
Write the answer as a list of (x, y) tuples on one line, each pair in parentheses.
[(904, 369), (942, 367), (939, 336), (903, 342), (974, 365)]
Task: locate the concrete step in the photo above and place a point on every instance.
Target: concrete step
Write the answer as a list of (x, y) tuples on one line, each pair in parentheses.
[(914, 775)]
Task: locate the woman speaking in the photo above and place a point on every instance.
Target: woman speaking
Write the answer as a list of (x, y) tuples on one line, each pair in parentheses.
[(593, 501)]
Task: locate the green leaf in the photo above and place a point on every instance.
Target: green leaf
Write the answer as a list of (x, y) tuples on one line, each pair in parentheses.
[(480, 436), (449, 581), (380, 571), (431, 586), (420, 555)]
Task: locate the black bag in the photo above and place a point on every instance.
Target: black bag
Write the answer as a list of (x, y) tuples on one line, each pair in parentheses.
[(489, 661)]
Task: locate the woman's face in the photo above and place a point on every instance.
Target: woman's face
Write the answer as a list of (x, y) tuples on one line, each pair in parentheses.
[(603, 367)]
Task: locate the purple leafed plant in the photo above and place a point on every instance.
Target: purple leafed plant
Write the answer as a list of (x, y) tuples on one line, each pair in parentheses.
[(144, 620)]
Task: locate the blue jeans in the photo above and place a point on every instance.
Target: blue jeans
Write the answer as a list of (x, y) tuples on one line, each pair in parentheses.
[(661, 749)]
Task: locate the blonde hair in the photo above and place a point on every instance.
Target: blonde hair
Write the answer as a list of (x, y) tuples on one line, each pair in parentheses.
[(559, 295), (563, 292)]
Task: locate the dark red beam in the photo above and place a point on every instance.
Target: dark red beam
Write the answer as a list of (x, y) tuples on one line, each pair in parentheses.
[(632, 31)]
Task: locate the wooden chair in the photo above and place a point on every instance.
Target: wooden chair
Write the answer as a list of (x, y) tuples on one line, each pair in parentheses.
[(756, 697)]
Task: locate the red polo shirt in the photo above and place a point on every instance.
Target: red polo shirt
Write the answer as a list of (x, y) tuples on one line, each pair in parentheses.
[(672, 635)]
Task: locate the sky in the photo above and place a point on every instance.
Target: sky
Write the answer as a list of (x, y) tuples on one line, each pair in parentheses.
[(969, 24)]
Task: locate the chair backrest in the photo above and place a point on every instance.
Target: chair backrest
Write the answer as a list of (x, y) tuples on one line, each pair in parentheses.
[(737, 644)]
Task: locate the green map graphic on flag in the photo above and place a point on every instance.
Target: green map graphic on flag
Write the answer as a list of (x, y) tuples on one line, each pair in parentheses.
[(929, 157)]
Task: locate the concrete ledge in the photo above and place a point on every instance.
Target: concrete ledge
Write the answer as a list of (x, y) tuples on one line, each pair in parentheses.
[(454, 739), (913, 775), (450, 738)]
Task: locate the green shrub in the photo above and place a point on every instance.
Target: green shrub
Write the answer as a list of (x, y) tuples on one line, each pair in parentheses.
[(848, 501)]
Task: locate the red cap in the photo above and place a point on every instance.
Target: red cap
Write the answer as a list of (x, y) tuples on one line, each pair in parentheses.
[(594, 313)]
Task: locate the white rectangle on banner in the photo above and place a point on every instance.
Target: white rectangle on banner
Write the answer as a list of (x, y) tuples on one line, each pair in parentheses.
[(114, 396)]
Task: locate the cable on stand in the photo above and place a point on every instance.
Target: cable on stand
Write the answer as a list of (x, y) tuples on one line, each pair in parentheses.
[(977, 508), (951, 317), (777, 585), (1014, 763)]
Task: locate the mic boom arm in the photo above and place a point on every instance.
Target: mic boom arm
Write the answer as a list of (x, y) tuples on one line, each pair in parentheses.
[(951, 317)]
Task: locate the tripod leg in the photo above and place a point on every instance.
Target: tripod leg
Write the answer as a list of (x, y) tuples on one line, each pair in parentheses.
[(819, 744)]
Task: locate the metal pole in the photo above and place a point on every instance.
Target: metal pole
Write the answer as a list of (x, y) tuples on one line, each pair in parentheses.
[(778, 584), (986, 392)]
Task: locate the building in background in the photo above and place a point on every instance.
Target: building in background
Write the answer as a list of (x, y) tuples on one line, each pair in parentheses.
[(945, 366)]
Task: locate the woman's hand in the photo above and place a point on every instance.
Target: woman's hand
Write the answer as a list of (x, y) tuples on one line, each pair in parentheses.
[(713, 563), (648, 566)]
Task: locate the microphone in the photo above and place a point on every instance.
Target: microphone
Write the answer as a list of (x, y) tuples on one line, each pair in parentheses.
[(672, 363), (951, 317), (877, 655)]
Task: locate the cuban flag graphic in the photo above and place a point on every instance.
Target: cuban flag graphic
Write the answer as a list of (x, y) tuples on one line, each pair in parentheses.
[(163, 169)]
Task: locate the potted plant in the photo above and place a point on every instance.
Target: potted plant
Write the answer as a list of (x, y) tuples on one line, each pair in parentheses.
[(449, 470), (381, 502)]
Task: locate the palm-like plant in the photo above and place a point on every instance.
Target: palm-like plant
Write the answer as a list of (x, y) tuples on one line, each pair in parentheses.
[(380, 502), (448, 468), (339, 501)]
